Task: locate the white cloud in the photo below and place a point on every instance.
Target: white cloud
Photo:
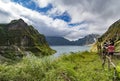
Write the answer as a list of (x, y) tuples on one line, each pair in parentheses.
[(42, 3), (98, 15), (43, 23)]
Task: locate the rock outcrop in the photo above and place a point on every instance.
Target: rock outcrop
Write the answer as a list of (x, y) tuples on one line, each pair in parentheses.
[(17, 38)]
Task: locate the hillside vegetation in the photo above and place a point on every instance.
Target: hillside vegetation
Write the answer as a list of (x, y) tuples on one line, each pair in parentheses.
[(75, 67), (18, 39), (113, 33)]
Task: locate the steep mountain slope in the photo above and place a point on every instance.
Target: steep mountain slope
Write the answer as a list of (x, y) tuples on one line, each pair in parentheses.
[(113, 33), (18, 39), (89, 39)]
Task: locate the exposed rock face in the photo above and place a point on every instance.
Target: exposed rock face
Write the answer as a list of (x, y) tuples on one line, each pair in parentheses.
[(20, 37), (17, 25)]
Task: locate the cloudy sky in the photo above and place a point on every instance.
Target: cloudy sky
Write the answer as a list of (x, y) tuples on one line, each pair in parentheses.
[(71, 19)]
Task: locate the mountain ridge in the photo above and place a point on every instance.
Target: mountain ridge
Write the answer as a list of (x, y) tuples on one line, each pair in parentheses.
[(89, 39)]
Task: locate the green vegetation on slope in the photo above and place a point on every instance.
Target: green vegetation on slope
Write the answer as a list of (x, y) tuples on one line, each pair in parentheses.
[(21, 37), (113, 33), (75, 67), (117, 45)]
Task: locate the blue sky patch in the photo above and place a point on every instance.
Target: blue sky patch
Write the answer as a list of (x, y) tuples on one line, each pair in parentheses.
[(32, 5), (77, 24), (45, 9), (64, 16)]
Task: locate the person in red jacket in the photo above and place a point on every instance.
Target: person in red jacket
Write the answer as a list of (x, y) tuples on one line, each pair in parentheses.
[(111, 50)]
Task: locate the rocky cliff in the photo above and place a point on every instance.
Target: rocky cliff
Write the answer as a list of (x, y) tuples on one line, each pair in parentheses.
[(17, 39)]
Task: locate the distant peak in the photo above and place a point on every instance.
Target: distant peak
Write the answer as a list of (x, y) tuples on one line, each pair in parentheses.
[(17, 24), (16, 21), (21, 20)]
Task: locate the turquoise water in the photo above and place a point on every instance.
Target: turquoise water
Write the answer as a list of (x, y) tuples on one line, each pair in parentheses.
[(67, 49)]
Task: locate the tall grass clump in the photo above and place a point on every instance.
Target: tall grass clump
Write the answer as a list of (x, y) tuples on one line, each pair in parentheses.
[(84, 66), (29, 69)]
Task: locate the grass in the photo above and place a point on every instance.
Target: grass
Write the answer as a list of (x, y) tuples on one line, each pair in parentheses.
[(84, 66), (117, 45)]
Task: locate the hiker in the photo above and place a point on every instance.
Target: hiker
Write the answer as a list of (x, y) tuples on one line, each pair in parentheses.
[(105, 46), (111, 41), (99, 48), (111, 49), (104, 52)]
